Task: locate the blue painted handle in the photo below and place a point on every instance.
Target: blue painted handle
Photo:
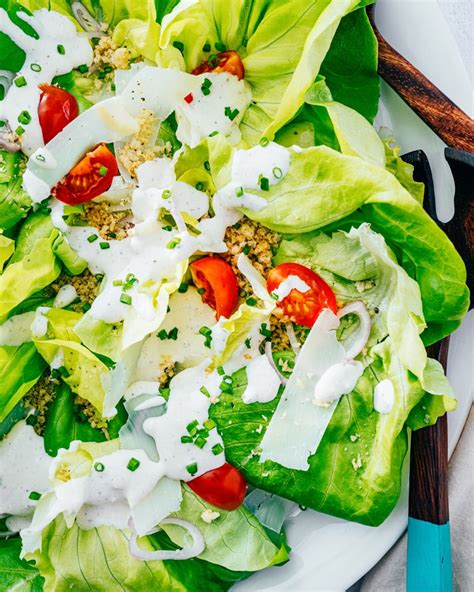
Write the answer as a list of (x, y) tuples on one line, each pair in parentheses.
[(429, 567)]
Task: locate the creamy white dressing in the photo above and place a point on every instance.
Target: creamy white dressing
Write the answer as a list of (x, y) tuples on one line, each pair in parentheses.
[(65, 296), (339, 379), (142, 387), (57, 49), (249, 166), (25, 467), (262, 381), (384, 396), (39, 326), (17, 329), (292, 282), (221, 110), (187, 404)]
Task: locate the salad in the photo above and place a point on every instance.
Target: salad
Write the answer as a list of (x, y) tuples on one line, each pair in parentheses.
[(217, 287)]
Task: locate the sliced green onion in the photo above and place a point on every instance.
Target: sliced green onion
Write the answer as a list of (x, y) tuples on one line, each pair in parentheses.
[(246, 249), (20, 81), (92, 238), (200, 442), (201, 291), (168, 228), (133, 464), (209, 424), (103, 171), (264, 184), (183, 288), (247, 342), (35, 496), (173, 334), (99, 467), (20, 130), (61, 49), (86, 306), (205, 392), (207, 166), (199, 185), (239, 192), (99, 277), (173, 243), (214, 60), (264, 331), (251, 301), (104, 245), (166, 194), (125, 299), (264, 141), (220, 46), (213, 134), (217, 449), (191, 427), (206, 47), (277, 172), (220, 371), (231, 113), (186, 440), (192, 468), (35, 67), (83, 69), (162, 335)]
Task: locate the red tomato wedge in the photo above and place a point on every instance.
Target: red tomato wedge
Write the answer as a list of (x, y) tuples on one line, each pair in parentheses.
[(89, 178), (302, 308), (56, 109), (226, 61), (224, 487), (217, 279)]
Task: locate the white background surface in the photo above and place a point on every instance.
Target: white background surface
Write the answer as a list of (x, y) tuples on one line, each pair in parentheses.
[(329, 554)]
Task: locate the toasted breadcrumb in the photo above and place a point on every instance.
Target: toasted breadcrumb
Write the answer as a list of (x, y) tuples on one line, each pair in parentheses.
[(108, 53), (85, 284), (141, 147), (40, 396), (110, 224), (168, 370), (90, 414)]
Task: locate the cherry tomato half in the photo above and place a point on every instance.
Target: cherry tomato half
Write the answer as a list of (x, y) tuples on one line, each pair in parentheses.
[(302, 308), (223, 487), (217, 279), (89, 178), (227, 61), (56, 109)]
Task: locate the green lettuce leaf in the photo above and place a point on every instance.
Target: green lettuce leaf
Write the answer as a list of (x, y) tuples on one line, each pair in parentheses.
[(14, 204), (84, 369), (235, 540), (7, 246), (99, 560), (402, 170), (140, 36), (20, 368), (282, 46), (357, 469), (328, 190), (16, 573)]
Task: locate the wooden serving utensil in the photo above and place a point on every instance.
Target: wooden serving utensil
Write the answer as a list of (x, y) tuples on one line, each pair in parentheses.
[(429, 566)]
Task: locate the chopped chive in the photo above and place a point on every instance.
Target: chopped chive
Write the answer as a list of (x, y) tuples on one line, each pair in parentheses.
[(231, 113), (99, 467), (92, 238), (173, 334), (179, 46), (264, 141), (35, 67), (239, 192), (133, 464), (205, 392), (186, 440), (192, 426), (20, 130), (86, 306), (192, 468), (207, 333), (264, 331), (183, 288), (20, 81), (220, 46), (162, 335), (217, 449), (264, 184), (206, 87), (201, 291), (214, 60), (251, 301), (199, 185), (104, 245), (200, 442), (168, 228), (166, 194), (101, 75), (246, 250), (83, 68), (61, 49), (40, 158), (277, 172), (207, 166), (274, 296), (213, 134), (173, 243), (125, 299), (209, 424), (237, 225), (113, 88), (99, 277), (35, 496), (103, 171), (206, 47), (247, 342), (117, 283), (220, 371)]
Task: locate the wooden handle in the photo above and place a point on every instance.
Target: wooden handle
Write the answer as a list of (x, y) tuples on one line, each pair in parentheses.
[(445, 118), (429, 463)]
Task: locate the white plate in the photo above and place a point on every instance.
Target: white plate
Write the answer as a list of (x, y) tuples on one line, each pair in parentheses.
[(329, 554)]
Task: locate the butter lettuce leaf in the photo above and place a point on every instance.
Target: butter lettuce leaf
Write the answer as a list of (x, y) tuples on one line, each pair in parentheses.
[(20, 368), (328, 190), (16, 573), (140, 36), (282, 46)]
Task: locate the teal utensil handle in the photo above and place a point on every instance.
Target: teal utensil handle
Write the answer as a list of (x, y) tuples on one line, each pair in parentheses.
[(429, 567)]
